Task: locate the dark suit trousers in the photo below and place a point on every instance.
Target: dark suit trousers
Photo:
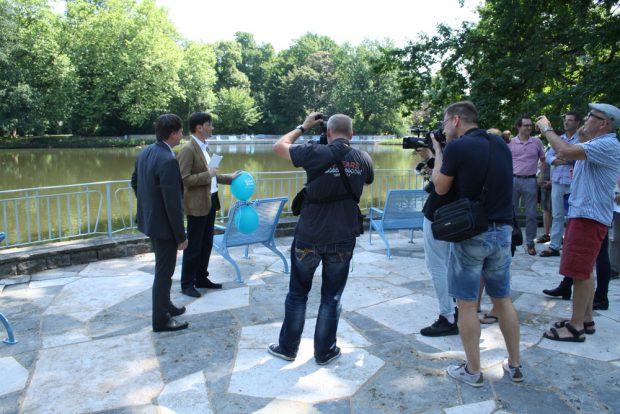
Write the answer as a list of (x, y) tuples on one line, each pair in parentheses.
[(200, 243), (165, 262)]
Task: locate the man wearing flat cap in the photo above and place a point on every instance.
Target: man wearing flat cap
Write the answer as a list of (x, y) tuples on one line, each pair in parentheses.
[(596, 170)]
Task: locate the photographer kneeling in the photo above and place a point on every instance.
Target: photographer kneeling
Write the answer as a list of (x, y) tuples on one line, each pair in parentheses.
[(479, 166), (330, 221)]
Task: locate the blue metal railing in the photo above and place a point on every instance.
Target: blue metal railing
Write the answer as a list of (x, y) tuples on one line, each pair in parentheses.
[(46, 214)]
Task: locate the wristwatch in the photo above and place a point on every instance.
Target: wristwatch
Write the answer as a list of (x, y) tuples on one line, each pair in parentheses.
[(301, 128), (544, 131)]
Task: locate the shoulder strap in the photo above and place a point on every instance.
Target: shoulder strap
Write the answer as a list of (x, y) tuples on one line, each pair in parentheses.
[(343, 174), (485, 187)]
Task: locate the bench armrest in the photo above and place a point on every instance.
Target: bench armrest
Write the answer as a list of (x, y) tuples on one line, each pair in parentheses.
[(220, 227), (374, 210)]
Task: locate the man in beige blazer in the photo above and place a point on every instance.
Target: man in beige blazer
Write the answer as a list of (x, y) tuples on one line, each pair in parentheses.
[(201, 203)]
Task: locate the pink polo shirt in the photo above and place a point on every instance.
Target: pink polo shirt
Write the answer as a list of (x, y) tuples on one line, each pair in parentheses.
[(525, 155)]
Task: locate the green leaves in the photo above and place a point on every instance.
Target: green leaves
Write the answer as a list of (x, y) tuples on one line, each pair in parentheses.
[(521, 57)]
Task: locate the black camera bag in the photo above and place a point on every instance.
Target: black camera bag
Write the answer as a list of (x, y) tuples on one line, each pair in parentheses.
[(463, 218)]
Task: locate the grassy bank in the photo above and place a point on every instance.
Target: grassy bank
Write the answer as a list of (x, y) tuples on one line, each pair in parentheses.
[(70, 141)]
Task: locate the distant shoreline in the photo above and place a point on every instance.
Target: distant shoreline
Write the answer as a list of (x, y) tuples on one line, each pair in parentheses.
[(131, 141)]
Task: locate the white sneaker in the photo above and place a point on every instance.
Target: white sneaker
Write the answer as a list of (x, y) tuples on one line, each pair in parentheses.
[(460, 373), (516, 373)]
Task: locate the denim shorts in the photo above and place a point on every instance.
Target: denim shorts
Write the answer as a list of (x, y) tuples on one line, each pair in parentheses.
[(487, 254)]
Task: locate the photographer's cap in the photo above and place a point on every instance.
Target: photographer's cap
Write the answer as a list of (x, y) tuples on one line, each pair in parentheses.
[(611, 112)]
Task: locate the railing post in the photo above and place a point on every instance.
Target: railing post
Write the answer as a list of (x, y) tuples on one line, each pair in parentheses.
[(109, 207)]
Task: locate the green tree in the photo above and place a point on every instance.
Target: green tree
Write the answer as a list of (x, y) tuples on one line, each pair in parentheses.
[(235, 111), (197, 79), (228, 59), (36, 76), (521, 57), (257, 63), (371, 98), (127, 61)]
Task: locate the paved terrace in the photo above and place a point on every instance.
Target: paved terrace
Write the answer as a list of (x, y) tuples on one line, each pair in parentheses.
[(85, 344)]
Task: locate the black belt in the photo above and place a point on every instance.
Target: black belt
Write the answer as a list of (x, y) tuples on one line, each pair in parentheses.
[(525, 176)]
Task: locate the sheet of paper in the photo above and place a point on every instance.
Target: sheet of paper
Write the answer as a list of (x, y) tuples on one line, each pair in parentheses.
[(215, 161)]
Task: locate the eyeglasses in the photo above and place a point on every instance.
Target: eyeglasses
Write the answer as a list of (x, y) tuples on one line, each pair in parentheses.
[(590, 114), (527, 125)]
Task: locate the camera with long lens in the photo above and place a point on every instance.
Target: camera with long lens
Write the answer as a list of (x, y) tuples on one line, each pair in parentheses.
[(426, 141)]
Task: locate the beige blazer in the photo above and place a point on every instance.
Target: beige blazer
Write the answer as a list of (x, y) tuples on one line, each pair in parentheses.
[(197, 180)]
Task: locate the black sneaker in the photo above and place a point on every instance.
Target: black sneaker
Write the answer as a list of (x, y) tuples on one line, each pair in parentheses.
[(275, 350), (335, 354), (441, 327)]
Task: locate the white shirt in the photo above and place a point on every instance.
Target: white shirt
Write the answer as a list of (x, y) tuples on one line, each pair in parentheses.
[(170, 148), (203, 146)]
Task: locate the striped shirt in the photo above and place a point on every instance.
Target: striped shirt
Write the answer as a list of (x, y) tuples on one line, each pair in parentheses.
[(594, 180), (561, 173)]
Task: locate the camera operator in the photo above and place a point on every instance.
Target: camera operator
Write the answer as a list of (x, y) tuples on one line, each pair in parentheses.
[(330, 221), (466, 164), (425, 167), (436, 252)]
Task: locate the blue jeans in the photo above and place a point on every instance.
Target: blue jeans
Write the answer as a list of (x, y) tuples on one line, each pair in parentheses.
[(436, 253), (305, 258), (487, 254), (558, 213)]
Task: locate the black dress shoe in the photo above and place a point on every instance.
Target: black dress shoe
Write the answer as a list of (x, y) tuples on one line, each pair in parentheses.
[(171, 325), (191, 291), (559, 291), (174, 311), (206, 283), (600, 304)]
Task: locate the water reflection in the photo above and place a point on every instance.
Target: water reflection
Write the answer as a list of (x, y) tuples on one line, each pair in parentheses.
[(27, 168)]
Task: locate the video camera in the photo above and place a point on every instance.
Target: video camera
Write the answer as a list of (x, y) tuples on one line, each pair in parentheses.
[(426, 142)]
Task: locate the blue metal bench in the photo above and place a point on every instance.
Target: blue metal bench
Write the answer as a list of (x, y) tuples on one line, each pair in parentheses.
[(7, 325), (402, 211), (269, 210)]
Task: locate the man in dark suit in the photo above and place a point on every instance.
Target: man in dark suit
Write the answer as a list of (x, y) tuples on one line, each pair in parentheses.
[(201, 203), (156, 180)]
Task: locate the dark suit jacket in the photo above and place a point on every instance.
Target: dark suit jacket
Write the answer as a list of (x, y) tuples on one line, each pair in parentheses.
[(197, 180), (156, 180)]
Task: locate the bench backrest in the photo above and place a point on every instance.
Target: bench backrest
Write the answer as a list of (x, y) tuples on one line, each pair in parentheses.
[(403, 209), (268, 210)]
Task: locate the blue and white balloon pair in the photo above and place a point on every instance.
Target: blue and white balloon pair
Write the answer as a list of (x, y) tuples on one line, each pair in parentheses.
[(242, 187)]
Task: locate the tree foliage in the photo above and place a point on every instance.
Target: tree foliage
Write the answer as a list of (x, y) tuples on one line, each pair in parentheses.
[(109, 67), (521, 57)]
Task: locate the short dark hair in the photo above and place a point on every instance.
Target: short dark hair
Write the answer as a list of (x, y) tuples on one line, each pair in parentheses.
[(466, 110), (166, 125), (198, 118), (576, 116), (521, 118)]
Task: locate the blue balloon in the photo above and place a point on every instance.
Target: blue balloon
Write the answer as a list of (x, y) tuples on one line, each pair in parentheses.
[(242, 187), (246, 219)]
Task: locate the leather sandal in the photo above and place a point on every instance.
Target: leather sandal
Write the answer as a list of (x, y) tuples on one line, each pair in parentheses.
[(549, 253), (588, 327), (578, 336)]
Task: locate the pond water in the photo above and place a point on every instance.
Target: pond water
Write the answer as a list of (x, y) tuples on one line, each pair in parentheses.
[(28, 168)]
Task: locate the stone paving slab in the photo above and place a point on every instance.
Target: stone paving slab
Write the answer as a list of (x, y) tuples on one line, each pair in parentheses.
[(86, 345)]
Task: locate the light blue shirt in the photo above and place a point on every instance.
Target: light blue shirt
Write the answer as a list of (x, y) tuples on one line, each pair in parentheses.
[(594, 180), (561, 173)]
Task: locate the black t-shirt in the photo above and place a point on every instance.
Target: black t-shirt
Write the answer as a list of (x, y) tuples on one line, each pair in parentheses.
[(467, 160), (338, 220)]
